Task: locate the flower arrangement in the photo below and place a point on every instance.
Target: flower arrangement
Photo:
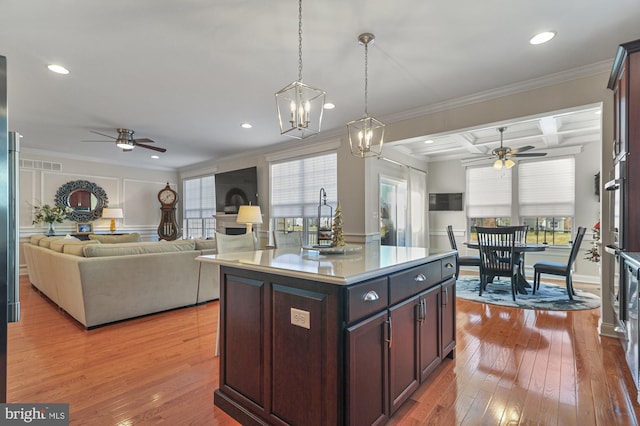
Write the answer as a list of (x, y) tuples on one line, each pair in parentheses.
[(593, 254), (48, 214)]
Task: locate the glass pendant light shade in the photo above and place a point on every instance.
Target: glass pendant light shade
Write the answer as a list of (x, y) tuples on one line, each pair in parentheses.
[(300, 106), (300, 109), (509, 163), (497, 164), (366, 137)]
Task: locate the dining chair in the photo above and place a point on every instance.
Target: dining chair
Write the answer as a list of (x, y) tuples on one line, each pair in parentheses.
[(497, 255), (234, 243), (291, 239), (561, 269), (461, 260)]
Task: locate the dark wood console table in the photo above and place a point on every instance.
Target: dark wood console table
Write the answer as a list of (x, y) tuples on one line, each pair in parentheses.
[(309, 339)]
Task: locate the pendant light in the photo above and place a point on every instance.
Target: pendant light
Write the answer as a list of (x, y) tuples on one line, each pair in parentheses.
[(300, 106), (366, 135)]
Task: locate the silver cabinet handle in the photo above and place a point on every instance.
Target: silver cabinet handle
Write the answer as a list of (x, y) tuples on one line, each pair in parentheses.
[(445, 300), (420, 278), (423, 303), (448, 265), (371, 296), (390, 340)]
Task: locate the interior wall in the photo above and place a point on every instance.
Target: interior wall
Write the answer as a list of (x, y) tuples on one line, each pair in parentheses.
[(133, 190)]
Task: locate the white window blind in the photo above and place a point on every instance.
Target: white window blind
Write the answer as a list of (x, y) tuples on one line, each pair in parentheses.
[(295, 185), (199, 197), (488, 192), (547, 188)]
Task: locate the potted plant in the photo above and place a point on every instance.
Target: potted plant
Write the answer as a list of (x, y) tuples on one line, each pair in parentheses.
[(50, 215)]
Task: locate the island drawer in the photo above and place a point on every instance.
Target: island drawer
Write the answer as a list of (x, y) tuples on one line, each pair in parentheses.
[(448, 267), (366, 298), (412, 281)]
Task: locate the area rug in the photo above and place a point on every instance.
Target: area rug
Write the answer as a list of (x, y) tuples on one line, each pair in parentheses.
[(549, 297)]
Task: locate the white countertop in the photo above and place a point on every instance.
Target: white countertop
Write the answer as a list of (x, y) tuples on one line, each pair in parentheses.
[(371, 261)]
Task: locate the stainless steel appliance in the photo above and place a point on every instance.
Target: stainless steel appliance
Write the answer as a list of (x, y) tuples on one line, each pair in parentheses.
[(630, 270), (616, 189), (9, 263)]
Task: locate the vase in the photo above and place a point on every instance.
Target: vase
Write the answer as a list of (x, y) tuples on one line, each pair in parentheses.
[(52, 229)]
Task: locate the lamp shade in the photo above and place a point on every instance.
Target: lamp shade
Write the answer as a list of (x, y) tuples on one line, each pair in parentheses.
[(108, 213), (249, 214)]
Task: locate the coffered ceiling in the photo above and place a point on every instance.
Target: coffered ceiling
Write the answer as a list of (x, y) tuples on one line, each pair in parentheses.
[(546, 133), (188, 73)]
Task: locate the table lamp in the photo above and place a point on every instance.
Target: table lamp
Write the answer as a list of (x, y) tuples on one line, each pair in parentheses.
[(249, 215), (112, 214)]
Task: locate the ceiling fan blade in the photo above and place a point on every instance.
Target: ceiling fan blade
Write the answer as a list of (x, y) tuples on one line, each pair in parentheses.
[(144, 140), (522, 149), (155, 148), (102, 134), (531, 154)]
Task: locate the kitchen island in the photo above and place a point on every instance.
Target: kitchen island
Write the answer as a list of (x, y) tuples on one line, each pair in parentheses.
[(313, 339)]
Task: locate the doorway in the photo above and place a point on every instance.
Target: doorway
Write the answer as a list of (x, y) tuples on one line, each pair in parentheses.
[(393, 211)]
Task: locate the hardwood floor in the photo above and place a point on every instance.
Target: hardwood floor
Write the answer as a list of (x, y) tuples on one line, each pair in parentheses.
[(512, 367)]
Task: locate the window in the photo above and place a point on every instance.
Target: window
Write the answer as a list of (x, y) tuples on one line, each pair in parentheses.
[(546, 199), (543, 191), (199, 207), (295, 193), (489, 195)]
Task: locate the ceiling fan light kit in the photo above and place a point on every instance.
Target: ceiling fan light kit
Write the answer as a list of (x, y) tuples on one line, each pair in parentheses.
[(300, 106), (366, 136), (127, 143), (503, 155)]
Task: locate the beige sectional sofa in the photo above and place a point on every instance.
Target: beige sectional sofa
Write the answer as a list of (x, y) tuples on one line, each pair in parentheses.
[(98, 283)]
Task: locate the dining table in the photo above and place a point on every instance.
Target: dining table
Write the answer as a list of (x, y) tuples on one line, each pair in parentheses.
[(522, 283)]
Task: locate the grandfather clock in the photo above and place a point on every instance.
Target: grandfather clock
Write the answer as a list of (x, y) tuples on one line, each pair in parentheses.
[(168, 229)]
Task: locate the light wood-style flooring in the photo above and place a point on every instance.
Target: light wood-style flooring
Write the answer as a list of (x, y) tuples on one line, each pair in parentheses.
[(512, 367)]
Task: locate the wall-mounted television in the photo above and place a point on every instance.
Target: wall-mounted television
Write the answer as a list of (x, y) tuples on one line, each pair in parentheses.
[(236, 188), (450, 201)]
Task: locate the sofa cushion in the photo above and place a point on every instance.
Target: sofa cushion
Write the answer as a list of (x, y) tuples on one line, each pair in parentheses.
[(112, 239), (75, 248), (202, 244), (46, 241), (57, 245), (35, 239), (126, 249)]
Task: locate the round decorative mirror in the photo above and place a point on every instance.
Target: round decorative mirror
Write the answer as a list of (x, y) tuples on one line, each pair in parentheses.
[(85, 198)]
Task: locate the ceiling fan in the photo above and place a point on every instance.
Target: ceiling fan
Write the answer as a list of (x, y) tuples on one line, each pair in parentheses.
[(126, 142), (503, 154)]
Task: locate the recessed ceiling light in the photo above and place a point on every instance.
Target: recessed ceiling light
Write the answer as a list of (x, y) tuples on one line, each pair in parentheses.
[(542, 37), (155, 157), (429, 141), (59, 69), (329, 105), (246, 125)]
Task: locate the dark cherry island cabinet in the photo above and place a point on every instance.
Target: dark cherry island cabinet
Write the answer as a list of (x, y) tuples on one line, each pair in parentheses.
[(312, 339)]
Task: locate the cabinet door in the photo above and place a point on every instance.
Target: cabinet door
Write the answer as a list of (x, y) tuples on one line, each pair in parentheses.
[(404, 375), (242, 339), (448, 309), (367, 372), (429, 331)]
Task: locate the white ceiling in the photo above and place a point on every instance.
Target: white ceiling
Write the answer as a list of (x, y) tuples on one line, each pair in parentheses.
[(188, 73)]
